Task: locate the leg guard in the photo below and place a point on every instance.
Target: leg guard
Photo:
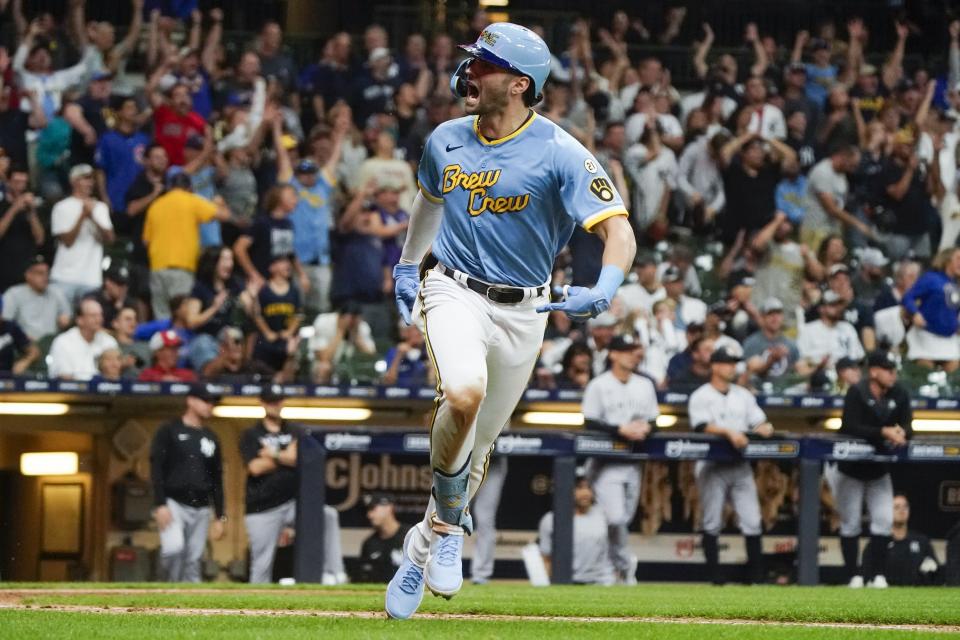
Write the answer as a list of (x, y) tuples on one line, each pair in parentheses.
[(451, 493)]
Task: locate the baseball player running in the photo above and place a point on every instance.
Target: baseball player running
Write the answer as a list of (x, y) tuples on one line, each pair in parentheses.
[(624, 404), (877, 410), (729, 410), (500, 193)]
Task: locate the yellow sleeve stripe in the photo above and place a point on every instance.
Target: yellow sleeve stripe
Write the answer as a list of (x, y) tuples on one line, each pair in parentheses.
[(429, 196), (600, 216)]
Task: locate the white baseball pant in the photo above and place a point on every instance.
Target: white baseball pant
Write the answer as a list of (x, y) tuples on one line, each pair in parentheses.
[(617, 488), (183, 541), (484, 508), (851, 494), (481, 349), (718, 481)]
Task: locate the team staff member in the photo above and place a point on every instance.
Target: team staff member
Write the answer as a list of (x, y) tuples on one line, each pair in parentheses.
[(878, 411), (269, 450), (187, 472), (382, 551), (911, 559), (726, 409), (495, 222), (623, 404), (591, 552)]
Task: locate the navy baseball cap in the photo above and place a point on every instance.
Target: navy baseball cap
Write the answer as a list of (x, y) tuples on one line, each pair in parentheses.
[(205, 392), (725, 355), (307, 166), (272, 393), (623, 343), (882, 359), (372, 500)]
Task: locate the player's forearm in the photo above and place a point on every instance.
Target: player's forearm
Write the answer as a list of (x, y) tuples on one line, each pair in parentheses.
[(619, 243), (425, 218)]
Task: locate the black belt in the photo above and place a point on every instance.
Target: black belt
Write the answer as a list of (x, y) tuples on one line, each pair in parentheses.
[(496, 293)]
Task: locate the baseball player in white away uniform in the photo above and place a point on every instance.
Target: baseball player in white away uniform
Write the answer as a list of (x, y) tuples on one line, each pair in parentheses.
[(621, 403), (729, 410), (500, 192)]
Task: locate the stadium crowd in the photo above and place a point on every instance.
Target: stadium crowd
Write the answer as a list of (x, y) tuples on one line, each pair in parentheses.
[(235, 219)]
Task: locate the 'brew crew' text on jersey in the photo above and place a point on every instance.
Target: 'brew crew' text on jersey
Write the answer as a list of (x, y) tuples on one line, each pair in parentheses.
[(510, 205)]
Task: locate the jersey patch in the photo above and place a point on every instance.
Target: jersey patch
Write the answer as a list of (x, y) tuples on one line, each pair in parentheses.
[(590, 165), (601, 188)]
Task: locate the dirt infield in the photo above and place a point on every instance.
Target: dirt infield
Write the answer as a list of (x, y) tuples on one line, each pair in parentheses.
[(12, 600)]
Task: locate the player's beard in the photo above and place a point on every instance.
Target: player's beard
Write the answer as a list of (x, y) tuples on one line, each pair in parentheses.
[(492, 99)]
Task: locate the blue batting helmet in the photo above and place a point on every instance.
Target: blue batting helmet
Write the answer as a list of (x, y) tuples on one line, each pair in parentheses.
[(511, 47)]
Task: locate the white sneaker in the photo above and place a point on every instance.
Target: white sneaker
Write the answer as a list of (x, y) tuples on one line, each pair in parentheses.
[(328, 579), (856, 582), (878, 582)]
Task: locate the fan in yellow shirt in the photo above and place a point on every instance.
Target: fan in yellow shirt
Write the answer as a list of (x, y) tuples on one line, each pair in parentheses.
[(171, 232)]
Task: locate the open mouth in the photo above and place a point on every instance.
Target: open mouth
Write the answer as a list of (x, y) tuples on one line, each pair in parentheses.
[(473, 90)]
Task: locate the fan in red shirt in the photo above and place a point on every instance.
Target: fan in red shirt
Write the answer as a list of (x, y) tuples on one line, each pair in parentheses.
[(174, 121), (165, 346)]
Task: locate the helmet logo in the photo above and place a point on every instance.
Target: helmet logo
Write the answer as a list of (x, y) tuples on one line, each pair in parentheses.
[(489, 37)]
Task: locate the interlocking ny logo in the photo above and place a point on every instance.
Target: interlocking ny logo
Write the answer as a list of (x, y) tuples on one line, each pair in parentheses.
[(601, 188)]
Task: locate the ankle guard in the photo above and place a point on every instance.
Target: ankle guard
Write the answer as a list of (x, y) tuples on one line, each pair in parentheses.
[(451, 494)]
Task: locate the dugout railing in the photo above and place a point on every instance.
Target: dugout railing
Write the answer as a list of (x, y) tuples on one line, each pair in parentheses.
[(564, 448)]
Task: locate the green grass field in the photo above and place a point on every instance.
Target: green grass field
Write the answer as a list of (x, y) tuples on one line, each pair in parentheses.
[(60, 611)]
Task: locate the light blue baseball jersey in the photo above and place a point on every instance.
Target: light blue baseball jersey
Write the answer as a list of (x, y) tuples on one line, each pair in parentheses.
[(510, 205)]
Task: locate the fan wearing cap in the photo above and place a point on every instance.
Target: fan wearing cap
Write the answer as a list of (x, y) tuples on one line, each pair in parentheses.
[(82, 226), (824, 341), (689, 310), (876, 410), (623, 404), (186, 471), (855, 311), (277, 316), (639, 296), (369, 229), (86, 117), (770, 355), (312, 218), (821, 74), (591, 545), (902, 183), (165, 346), (269, 452), (728, 410), (501, 191), (113, 294), (871, 280), (33, 64), (381, 551), (372, 90)]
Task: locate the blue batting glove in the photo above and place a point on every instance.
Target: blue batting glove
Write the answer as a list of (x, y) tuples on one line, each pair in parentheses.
[(406, 278), (580, 303)]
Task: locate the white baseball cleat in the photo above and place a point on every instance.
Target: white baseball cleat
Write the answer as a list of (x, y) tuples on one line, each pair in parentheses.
[(878, 582), (856, 582)]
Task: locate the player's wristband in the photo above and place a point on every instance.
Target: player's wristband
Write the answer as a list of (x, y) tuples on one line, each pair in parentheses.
[(611, 277)]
